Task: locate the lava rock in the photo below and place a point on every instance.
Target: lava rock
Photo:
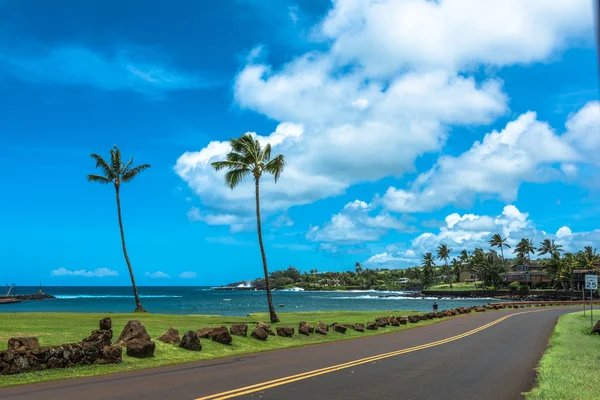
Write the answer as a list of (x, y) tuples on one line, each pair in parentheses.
[(596, 328), (260, 333), (111, 355), (140, 348), (239, 329), (171, 336), (133, 330), (190, 341), (339, 328), (322, 328), (23, 344), (105, 324), (372, 326), (221, 335), (285, 331), (305, 328), (266, 327), (204, 333)]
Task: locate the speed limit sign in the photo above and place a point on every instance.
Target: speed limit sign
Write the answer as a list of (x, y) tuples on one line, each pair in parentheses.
[(591, 282)]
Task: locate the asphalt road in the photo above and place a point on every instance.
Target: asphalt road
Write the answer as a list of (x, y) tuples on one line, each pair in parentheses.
[(490, 355)]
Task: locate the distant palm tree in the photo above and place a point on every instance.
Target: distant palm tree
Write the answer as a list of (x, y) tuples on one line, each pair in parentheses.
[(548, 246), (358, 268), (525, 249), (118, 173), (248, 157), (443, 253), (428, 265), (456, 268), (588, 258), (499, 242)]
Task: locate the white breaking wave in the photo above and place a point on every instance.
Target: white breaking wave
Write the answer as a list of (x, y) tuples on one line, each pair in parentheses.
[(110, 296)]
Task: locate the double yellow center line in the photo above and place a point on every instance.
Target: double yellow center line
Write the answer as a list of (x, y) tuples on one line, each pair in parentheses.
[(310, 374)]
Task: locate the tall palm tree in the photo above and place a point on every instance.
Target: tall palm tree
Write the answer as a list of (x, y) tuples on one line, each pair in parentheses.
[(588, 258), (525, 249), (248, 157), (428, 265), (499, 242), (118, 173), (358, 268), (443, 253), (456, 268), (548, 246)]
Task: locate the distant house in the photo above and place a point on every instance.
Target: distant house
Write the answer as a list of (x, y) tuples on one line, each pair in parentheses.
[(525, 274), (402, 281), (467, 276)]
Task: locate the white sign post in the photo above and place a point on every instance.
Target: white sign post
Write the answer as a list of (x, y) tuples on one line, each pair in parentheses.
[(591, 283)]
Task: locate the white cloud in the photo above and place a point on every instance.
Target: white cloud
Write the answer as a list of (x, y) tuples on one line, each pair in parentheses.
[(390, 82), (236, 223), (563, 232), (524, 151), (583, 129), (283, 220), (157, 275), (188, 275), (385, 36), (466, 232), (97, 273), (75, 65), (354, 225)]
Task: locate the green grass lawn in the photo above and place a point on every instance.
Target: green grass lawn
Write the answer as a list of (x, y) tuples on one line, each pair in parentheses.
[(569, 368), (458, 286), (58, 328)]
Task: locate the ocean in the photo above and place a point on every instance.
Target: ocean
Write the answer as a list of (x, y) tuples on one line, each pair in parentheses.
[(204, 300)]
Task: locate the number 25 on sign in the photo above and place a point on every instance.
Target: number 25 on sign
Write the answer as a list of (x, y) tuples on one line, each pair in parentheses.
[(591, 282)]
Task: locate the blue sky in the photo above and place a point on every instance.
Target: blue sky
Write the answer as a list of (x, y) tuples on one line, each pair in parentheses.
[(405, 124)]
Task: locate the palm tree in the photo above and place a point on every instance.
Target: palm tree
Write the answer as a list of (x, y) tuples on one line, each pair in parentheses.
[(118, 173), (456, 268), (499, 242), (443, 253), (428, 265), (246, 157), (548, 246), (525, 249), (358, 268)]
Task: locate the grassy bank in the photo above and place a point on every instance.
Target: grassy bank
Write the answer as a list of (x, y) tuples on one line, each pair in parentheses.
[(569, 368), (58, 328)]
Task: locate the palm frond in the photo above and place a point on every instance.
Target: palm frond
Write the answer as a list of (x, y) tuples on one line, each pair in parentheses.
[(219, 165), (133, 172), (98, 179), (276, 166), (244, 145), (237, 157), (266, 154), (115, 158), (234, 176), (127, 166), (104, 166)]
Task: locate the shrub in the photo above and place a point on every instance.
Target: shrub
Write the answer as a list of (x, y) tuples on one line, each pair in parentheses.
[(514, 286), (490, 288), (524, 289)]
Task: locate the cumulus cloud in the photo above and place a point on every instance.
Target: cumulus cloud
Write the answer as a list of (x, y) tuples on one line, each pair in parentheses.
[(157, 275), (385, 36), (469, 231), (582, 131), (524, 151), (354, 225), (188, 275), (377, 95), (76, 65), (97, 273), (236, 223)]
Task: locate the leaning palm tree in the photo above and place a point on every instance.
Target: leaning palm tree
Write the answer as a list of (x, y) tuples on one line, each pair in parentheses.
[(248, 157), (118, 173), (443, 253)]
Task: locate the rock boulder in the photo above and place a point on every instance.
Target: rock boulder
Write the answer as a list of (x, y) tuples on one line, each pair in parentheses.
[(134, 330), (260, 333), (305, 328), (204, 333), (596, 328), (101, 338), (24, 344), (140, 348), (266, 327), (372, 326), (239, 329), (221, 335), (339, 328), (111, 355), (322, 328), (190, 341), (171, 336), (105, 324), (285, 331)]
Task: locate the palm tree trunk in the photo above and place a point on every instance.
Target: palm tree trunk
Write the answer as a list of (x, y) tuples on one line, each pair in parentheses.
[(138, 303), (446, 260), (503, 264), (272, 313)]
